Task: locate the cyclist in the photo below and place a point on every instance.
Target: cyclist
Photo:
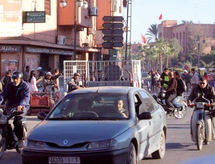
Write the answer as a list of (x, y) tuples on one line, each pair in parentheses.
[(17, 94)]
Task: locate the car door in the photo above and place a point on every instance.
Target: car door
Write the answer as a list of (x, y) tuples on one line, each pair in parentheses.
[(156, 121), (142, 127)]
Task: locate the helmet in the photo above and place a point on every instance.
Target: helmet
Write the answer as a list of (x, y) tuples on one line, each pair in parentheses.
[(39, 68), (162, 95), (17, 75), (49, 74)]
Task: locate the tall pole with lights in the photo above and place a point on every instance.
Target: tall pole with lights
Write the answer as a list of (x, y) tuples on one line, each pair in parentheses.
[(77, 3)]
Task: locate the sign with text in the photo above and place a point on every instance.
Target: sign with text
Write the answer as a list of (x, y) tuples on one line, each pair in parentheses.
[(47, 51), (34, 17)]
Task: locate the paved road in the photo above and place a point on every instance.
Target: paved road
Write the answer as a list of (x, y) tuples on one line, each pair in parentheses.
[(180, 148)]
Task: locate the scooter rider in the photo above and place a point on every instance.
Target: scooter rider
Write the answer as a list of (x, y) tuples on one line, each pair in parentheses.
[(17, 94), (202, 89), (180, 90)]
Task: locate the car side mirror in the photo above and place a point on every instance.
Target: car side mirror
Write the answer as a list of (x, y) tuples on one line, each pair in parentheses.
[(145, 116), (41, 115)]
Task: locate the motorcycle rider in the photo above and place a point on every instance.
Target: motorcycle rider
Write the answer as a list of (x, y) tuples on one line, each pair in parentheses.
[(164, 78), (17, 94), (202, 89), (171, 90), (180, 90)]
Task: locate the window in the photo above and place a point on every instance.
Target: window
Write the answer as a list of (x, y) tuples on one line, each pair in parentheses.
[(148, 104), (48, 7)]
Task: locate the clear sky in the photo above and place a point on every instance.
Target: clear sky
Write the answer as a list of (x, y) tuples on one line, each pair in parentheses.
[(147, 12)]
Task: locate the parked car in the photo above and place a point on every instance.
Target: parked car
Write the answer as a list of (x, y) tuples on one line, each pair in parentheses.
[(119, 125)]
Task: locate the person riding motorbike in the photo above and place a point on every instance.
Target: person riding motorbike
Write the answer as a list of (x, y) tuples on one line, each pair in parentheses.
[(208, 92), (164, 79), (171, 91), (17, 95), (180, 90)]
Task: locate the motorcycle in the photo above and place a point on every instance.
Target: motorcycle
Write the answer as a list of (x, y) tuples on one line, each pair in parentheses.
[(177, 112), (8, 139), (201, 122)]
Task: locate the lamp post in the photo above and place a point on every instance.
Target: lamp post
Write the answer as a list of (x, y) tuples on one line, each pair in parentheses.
[(77, 3)]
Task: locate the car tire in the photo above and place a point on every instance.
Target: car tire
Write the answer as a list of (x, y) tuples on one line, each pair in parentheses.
[(159, 154), (132, 155)]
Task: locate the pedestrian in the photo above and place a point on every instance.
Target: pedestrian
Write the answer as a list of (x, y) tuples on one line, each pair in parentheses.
[(211, 78), (195, 78), (32, 81), (6, 79), (74, 83), (26, 74), (56, 80), (40, 76)]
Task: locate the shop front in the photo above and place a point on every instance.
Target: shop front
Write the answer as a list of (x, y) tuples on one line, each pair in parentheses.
[(11, 58)]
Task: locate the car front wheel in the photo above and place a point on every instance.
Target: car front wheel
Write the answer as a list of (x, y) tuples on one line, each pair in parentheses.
[(159, 154), (132, 156)]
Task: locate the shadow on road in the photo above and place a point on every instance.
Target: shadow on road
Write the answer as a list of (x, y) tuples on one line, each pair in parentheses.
[(178, 126)]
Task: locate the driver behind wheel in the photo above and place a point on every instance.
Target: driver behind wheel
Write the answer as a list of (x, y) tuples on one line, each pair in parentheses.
[(17, 94)]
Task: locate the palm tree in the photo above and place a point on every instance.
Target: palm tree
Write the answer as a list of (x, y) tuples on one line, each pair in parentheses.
[(207, 66), (152, 33), (162, 46), (172, 50)]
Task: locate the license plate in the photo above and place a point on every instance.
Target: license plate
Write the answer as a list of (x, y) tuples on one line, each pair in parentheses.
[(64, 160)]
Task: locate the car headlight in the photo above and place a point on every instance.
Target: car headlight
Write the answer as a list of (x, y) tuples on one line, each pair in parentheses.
[(106, 144), (34, 144)]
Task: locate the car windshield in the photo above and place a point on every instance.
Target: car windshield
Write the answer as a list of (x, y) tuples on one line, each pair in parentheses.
[(92, 106)]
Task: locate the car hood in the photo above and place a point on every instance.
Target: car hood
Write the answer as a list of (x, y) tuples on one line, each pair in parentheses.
[(77, 131)]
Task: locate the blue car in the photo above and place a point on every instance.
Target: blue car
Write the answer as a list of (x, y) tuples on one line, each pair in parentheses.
[(113, 125)]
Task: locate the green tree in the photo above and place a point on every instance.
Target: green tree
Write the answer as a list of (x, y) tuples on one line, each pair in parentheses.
[(152, 33), (172, 49)]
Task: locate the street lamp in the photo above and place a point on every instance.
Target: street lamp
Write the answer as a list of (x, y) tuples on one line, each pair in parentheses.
[(77, 3)]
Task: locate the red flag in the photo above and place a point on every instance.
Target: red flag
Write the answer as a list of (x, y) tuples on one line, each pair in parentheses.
[(160, 17), (143, 39)]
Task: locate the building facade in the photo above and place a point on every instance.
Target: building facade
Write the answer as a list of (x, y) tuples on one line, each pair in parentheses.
[(170, 29)]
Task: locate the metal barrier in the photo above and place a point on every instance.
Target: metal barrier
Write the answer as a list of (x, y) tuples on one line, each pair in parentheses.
[(104, 73)]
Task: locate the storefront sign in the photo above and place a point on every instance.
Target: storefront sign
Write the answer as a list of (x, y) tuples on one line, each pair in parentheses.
[(10, 48), (47, 51)]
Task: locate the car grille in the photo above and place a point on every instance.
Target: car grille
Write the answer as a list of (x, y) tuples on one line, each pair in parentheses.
[(78, 145)]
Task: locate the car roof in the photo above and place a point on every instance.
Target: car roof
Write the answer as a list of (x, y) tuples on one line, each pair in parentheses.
[(105, 89)]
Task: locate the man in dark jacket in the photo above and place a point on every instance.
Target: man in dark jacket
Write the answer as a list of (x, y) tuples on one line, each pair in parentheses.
[(180, 90), (202, 89), (17, 95), (171, 91)]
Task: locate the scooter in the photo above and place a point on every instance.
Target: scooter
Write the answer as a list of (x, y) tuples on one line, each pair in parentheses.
[(201, 122), (177, 112), (8, 139)]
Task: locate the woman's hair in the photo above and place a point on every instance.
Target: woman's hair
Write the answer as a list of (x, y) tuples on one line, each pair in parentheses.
[(33, 73)]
